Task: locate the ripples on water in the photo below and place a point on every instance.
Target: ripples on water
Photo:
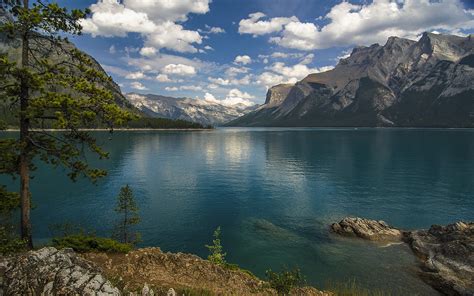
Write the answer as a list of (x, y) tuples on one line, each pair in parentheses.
[(274, 191)]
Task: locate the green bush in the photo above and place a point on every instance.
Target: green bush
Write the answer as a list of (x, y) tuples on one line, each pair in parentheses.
[(216, 253), (285, 280), (10, 243), (88, 243)]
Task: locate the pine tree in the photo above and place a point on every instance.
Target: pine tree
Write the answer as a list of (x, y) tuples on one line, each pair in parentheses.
[(47, 82), (216, 253), (127, 208)]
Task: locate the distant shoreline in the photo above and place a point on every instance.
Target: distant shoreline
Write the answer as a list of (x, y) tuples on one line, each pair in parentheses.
[(115, 129)]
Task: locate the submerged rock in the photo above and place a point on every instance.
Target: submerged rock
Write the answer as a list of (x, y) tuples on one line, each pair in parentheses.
[(367, 229), (447, 256), (52, 272)]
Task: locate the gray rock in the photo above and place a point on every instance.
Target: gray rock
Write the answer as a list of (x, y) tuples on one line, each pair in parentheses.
[(367, 229), (49, 271), (171, 292), (447, 257)]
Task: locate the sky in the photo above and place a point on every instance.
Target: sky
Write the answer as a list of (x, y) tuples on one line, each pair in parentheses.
[(232, 51)]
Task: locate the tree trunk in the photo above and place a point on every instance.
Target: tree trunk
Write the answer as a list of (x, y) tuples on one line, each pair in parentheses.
[(24, 168)]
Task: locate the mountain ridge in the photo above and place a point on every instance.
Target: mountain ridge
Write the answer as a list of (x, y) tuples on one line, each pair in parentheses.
[(401, 83), (206, 112)]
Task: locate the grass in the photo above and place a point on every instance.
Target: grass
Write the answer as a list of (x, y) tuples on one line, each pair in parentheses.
[(83, 243), (352, 288)]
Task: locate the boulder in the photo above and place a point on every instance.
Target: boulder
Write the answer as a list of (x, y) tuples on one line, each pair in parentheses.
[(447, 257), (49, 271), (367, 229)]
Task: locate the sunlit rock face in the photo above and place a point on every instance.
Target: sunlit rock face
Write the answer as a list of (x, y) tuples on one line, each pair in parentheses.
[(196, 110), (402, 83)]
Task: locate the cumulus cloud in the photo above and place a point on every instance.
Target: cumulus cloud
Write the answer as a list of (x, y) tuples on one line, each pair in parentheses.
[(137, 85), (255, 26), (171, 88), (245, 80), (135, 75), (176, 10), (173, 36), (163, 78), (155, 20), (235, 96), (148, 51), (349, 24), (279, 73), (211, 30), (179, 69), (243, 59)]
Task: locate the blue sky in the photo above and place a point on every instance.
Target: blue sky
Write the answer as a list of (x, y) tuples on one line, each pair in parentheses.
[(233, 50)]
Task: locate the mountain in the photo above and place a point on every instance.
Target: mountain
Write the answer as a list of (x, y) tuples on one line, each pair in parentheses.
[(206, 112), (424, 83)]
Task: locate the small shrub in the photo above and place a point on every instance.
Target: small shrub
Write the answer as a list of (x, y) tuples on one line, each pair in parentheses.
[(285, 280), (87, 243), (216, 253), (10, 243)]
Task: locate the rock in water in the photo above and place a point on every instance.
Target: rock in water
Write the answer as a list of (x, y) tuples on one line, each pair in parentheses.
[(367, 229), (52, 272), (447, 255)]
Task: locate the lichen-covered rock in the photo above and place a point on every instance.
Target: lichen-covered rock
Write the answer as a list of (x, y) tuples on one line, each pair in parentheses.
[(447, 256), (49, 271), (367, 229)]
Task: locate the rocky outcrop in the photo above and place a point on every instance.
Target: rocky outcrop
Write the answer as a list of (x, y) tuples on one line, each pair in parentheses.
[(447, 256), (142, 272), (402, 83), (367, 229), (52, 272), (446, 253)]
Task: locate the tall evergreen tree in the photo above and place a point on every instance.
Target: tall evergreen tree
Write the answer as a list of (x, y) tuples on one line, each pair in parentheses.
[(127, 208), (46, 82)]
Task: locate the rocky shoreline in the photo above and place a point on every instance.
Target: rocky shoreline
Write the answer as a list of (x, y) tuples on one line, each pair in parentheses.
[(445, 253), (145, 272)]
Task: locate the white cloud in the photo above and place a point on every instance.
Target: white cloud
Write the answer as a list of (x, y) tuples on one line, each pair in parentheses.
[(279, 73), (211, 30), (232, 81), (233, 71), (176, 10), (163, 78), (235, 96), (135, 75), (110, 18), (350, 24), (308, 59), (207, 47), (210, 98), (219, 81), (179, 69), (243, 59), (253, 25), (112, 49), (212, 86), (155, 20), (269, 79), (173, 36), (148, 51), (137, 85), (191, 87), (172, 88)]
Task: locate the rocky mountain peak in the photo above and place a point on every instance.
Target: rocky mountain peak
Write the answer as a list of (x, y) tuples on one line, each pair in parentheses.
[(402, 83)]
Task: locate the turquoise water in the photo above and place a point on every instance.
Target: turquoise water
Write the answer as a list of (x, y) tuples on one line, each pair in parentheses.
[(274, 192)]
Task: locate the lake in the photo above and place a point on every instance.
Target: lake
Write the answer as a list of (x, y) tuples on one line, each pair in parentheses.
[(274, 191)]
